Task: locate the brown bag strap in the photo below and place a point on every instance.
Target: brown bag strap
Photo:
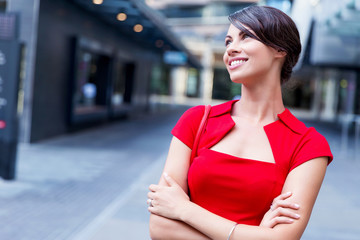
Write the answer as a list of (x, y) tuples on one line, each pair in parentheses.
[(199, 132)]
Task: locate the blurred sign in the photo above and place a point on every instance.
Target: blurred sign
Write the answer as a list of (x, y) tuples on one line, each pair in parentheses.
[(175, 58), (9, 83), (10, 55), (8, 28)]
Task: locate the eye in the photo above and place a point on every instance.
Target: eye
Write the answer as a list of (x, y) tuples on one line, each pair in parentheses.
[(227, 42), (244, 36)]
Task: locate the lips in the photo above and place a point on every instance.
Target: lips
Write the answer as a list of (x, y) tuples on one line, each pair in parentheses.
[(235, 62)]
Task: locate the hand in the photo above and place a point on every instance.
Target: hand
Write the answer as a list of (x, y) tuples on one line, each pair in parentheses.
[(167, 201), (280, 212)]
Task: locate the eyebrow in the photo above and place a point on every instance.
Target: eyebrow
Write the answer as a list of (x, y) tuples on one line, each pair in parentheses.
[(241, 33)]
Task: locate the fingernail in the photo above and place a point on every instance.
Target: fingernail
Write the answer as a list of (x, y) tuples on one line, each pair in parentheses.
[(288, 193), (166, 175), (297, 216), (296, 205), (290, 220)]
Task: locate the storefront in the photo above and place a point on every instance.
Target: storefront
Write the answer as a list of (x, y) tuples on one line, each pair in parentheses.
[(88, 62)]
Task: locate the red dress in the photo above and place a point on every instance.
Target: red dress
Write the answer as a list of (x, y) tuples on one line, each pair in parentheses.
[(239, 189)]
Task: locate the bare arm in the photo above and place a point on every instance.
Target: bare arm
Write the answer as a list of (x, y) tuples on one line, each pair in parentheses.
[(177, 164), (304, 182)]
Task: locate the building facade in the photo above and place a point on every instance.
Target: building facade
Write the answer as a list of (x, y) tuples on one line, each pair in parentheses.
[(88, 62), (202, 26), (325, 82)]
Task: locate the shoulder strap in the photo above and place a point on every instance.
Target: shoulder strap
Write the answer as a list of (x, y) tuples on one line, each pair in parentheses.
[(199, 132)]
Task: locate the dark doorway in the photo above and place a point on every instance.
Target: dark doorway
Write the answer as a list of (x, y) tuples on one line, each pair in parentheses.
[(129, 81)]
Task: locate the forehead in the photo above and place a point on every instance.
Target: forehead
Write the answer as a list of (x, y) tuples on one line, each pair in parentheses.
[(235, 31)]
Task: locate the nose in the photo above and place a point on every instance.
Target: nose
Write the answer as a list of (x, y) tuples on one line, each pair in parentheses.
[(231, 50)]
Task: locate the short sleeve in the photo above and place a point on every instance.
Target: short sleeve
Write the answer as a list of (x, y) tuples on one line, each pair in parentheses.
[(186, 127), (312, 145)]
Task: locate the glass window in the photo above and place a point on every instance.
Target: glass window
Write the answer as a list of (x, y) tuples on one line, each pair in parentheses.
[(160, 80), (123, 84), (223, 87), (192, 83), (117, 98), (85, 87), (91, 82)]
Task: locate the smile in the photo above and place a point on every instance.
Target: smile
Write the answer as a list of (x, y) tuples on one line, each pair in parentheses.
[(236, 62)]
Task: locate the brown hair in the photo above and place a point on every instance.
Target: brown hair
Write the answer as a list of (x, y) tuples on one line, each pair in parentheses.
[(273, 28)]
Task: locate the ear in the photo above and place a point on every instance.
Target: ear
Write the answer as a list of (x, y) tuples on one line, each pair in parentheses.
[(280, 53)]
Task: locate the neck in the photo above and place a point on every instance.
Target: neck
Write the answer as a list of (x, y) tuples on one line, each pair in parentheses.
[(260, 104)]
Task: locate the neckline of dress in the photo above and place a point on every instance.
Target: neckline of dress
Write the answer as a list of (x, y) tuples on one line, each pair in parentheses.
[(240, 158)]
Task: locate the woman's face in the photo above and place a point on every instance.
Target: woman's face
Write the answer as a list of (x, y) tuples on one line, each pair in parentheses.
[(247, 59)]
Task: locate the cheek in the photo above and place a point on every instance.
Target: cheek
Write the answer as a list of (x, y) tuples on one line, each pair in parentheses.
[(225, 59)]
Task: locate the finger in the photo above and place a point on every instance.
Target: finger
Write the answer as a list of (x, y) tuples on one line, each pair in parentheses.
[(152, 209), (285, 212), (280, 220), (169, 180), (151, 195), (154, 187), (284, 204), (283, 196)]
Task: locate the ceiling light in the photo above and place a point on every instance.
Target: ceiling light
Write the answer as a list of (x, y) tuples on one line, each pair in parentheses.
[(98, 2), (138, 28), (121, 17)]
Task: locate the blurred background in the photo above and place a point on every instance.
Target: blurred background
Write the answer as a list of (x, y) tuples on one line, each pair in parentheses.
[(85, 85)]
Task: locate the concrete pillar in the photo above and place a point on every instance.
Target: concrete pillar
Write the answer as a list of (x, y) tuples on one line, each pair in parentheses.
[(330, 98), (207, 75), (350, 76), (348, 116), (28, 35), (302, 14), (316, 103), (178, 78)]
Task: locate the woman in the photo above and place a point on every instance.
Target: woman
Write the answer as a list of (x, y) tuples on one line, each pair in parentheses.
[(258, 169)]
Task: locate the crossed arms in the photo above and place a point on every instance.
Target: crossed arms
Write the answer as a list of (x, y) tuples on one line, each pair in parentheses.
[(174, 216)]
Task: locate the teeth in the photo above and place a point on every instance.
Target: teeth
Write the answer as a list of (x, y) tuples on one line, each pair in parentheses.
[(236, 62)]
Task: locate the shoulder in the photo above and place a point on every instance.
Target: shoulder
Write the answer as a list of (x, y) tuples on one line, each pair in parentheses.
[(186, 127), (192, 116), (298, 127), (292, 123), (307, 141), (222, 108), (194, 112)]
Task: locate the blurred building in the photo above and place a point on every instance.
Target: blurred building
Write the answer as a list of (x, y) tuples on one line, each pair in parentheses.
[(325, 81), (330, 64), (202, 26), (87, 62)]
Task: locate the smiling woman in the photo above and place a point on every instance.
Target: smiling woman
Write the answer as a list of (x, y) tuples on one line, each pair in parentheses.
[(257, 170), (272, 28)]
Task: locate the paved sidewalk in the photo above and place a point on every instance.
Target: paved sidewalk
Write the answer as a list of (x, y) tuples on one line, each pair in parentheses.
[(92, 185), (69, 186), (335, 215)]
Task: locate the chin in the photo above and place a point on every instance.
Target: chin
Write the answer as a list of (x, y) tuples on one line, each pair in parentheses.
[(238, 79)]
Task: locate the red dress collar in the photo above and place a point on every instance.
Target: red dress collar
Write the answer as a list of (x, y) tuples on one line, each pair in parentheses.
[(285, 117)]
